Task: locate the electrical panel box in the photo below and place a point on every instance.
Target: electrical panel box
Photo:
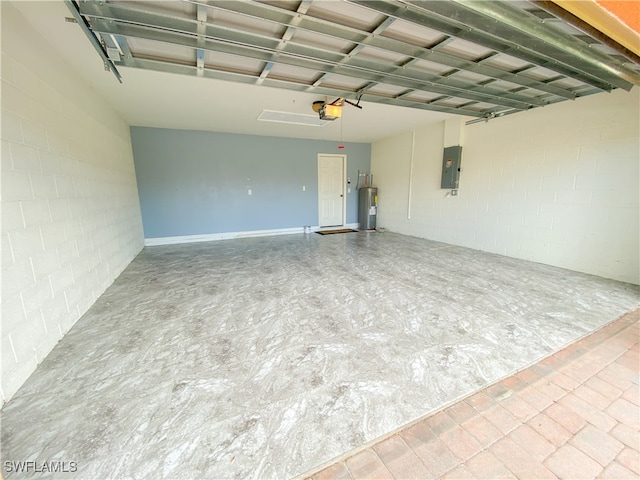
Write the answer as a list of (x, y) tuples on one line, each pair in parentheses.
[(451, 167)]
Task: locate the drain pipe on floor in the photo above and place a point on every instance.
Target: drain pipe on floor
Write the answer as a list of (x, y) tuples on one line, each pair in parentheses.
[(413, 146)]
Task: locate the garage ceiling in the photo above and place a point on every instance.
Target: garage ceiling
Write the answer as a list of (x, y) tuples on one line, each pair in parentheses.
[(480, 59)]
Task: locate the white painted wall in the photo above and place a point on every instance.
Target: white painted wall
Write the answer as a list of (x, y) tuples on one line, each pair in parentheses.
[(70, 213), (556, 185)]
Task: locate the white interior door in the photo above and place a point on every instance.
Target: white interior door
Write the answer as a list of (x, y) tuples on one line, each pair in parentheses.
[(331, 199)]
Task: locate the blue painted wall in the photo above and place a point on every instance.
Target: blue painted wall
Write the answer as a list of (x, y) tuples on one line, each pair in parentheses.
[(193, 182)]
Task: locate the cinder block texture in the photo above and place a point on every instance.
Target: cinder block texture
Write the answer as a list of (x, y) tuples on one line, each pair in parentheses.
[(70, 211), (556, 185)]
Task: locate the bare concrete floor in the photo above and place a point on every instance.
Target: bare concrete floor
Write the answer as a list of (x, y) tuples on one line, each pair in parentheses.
[(264, 358)]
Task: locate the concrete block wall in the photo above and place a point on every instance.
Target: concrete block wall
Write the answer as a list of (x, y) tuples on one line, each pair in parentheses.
[(70, 212), (556, 185)]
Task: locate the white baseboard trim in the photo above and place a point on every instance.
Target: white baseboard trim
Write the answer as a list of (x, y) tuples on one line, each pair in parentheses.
[(212, 237)]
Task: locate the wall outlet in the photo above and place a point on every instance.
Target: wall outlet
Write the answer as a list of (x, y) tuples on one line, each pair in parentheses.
[(304, 188), (348, 190), (454, 193), (249, 191)]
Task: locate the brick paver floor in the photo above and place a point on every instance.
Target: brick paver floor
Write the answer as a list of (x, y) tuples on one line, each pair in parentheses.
[(574, 415)]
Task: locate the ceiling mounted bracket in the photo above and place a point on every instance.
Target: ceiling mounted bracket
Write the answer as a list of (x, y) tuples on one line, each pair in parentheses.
[(80, 20), (358, 98)]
